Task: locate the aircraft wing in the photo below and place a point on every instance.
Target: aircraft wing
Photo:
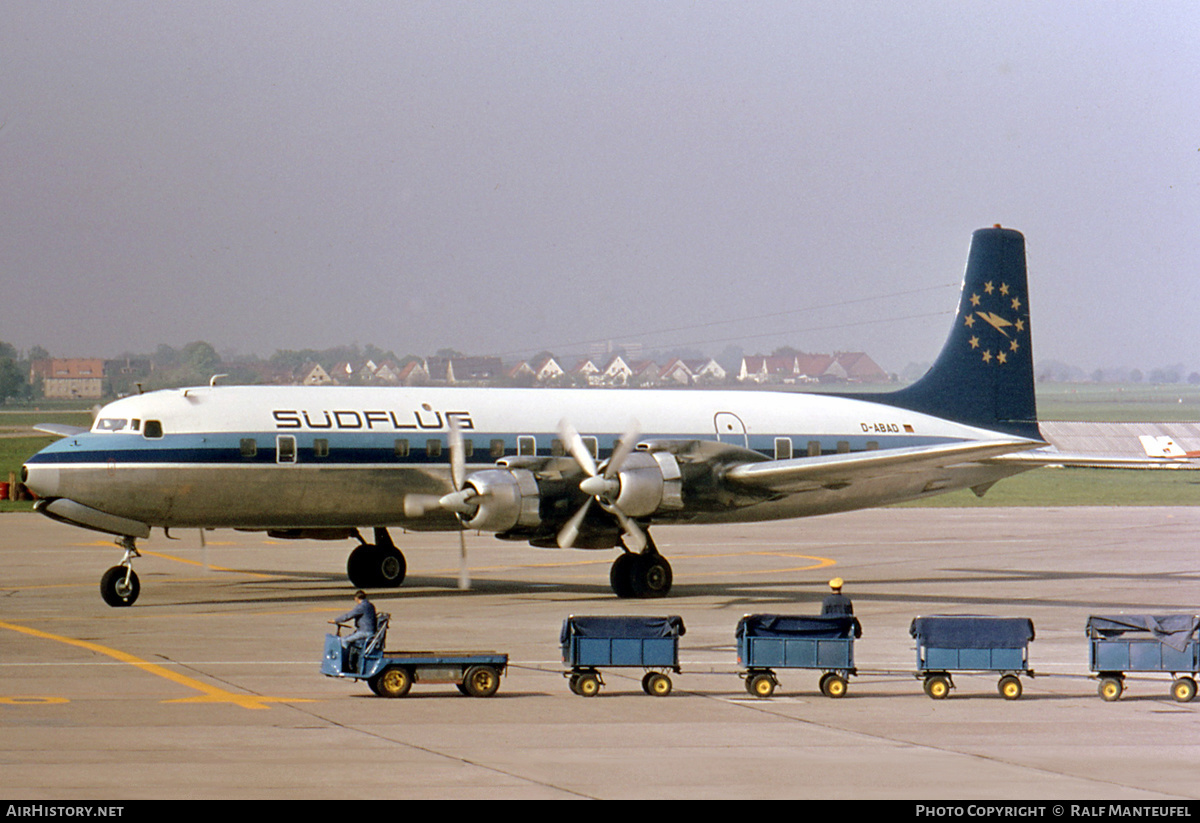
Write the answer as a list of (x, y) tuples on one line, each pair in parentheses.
[(840, 470), (59, 429)]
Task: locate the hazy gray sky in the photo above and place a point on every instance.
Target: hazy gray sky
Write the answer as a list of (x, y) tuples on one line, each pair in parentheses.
[(509, 176)]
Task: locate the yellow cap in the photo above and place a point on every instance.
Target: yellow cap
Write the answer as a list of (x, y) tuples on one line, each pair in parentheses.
[(836, 583)]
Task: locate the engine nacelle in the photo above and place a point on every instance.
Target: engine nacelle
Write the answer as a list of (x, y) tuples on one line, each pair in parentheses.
[(507, 499), (650, 482)]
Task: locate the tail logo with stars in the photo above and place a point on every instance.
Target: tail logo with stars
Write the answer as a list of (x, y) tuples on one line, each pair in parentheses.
[(984, 374)]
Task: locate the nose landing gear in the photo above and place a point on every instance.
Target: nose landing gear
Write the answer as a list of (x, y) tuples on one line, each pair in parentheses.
[(119, 585)]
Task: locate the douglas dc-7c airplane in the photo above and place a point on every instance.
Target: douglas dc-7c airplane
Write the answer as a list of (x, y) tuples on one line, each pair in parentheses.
[(559, 468)]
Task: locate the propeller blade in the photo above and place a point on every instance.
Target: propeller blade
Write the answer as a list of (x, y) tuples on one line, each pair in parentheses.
[(569, 533), (624, 446), (204, 551), (464, 575), (577, 448), (460, 500), (457, 458), (635, 536)]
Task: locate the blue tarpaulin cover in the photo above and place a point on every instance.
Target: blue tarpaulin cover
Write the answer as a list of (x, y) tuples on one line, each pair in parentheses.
[(972, 631), (1174, 630), (788, 625), (626, 626)]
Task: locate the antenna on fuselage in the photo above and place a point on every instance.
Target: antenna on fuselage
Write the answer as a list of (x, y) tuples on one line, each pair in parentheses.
[(213, 381)]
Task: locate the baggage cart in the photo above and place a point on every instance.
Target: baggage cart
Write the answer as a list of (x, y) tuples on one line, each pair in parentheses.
[(972, 643), (392, 673), (1144, 643), (592, 643), (766, 642)]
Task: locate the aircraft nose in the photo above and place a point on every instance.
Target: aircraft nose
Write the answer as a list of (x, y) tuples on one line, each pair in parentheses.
[(41, 480)]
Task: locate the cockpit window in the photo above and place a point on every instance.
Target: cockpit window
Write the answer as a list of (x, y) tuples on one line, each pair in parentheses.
[(110, 424)]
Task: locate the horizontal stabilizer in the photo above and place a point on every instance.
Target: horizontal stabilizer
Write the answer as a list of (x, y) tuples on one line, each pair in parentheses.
[(1162, 446), (1049, 457)]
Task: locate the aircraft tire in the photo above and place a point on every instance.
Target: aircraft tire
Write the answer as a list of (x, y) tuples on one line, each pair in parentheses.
[(392, 567), (374, 567), (114, 589), (621, 575), (652, 576)]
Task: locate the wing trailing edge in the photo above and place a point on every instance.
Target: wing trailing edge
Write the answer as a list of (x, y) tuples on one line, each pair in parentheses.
[(837, 470)]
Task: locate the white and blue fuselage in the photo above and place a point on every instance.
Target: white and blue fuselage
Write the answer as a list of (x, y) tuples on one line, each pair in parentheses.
[(308, 457), (581, 468)]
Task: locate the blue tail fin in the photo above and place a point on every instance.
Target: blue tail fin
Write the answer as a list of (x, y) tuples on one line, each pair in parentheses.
[(984, 374)]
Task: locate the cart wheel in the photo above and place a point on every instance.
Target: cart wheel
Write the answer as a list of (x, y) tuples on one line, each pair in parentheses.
[(1009, 687), (481, 681), (833, 685), (587, 685), (392, 682), (1183, 689), (573, 683), (761, 685), (937, 686), (656, 685), (1111, 688)]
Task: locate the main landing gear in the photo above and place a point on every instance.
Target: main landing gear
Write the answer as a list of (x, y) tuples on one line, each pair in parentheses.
[(119, 586), (378, 565), (644, 574)]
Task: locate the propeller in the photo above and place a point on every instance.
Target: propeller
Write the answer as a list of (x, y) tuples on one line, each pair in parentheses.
[(602, 485)]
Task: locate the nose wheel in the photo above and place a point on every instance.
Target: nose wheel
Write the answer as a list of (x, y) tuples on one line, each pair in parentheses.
[(119, 585)]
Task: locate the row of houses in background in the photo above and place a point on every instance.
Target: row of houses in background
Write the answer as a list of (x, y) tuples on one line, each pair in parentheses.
[(92, 378), (841, 367)]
